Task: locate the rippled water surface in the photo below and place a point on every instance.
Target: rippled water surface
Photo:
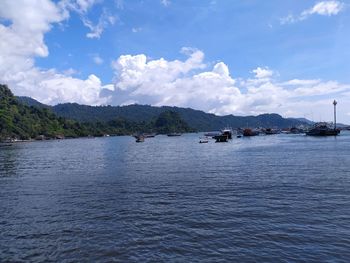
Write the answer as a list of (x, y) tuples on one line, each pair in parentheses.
[(282, 198)]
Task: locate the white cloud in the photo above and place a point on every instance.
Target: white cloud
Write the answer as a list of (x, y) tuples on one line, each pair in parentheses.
[(97, 29), (97, 59), (82, 7), (165, 2), (79, 6), (136, 29), (323, 8), (190, 83), (23, 40), (302, 82), (262, 73)]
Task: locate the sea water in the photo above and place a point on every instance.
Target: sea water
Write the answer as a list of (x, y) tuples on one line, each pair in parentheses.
[(281, 198)]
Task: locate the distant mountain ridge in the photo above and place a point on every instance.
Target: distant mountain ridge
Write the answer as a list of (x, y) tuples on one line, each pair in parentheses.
[(197, 119)]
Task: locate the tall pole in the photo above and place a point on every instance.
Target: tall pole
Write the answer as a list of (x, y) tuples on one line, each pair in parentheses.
[(335, 114)]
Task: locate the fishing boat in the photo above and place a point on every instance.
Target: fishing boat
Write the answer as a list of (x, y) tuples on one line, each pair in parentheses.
[(322, 129), (221, 138), (325, 129)]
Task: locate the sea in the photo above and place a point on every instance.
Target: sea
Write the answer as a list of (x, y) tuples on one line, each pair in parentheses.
[(277, 198)]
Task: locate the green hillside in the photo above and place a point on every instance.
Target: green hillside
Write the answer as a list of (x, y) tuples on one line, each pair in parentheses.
[(25, 118), (199, 120)]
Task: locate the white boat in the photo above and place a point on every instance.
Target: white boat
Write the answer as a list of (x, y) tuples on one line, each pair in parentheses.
[(203, 140)]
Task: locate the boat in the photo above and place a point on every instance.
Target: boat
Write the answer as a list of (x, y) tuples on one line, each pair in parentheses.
[(221, 138), (325, 129), (212, 133), (249, 132), (296, 130), (227, 132), (149, 135), (269, 131), (173, 134), (140, 138), (203, 140), (322, 129)]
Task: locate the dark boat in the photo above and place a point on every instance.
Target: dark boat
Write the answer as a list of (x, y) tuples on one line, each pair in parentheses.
[(227, 132), (295, 130), (221, 138), (250, 132), (270, 131), (149, 135), (173, 134), (140, 138), (322, 129)]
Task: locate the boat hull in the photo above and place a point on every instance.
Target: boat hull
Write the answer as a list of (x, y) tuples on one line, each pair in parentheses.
[(323, 133)]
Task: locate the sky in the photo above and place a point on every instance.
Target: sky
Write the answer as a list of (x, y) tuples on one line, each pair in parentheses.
[(221, 56)]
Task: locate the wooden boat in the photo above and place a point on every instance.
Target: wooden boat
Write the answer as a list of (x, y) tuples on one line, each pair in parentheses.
[(221, 138)]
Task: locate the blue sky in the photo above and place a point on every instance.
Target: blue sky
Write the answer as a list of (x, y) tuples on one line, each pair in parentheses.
[(235, 57)]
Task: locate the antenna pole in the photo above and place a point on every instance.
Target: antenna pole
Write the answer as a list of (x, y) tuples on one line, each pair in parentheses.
[(335, 114)]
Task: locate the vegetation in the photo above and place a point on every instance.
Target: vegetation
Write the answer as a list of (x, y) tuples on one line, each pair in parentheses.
[(198, 120), (25, 119)]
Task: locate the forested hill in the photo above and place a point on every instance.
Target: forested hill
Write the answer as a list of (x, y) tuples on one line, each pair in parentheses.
[(23, 122), (199, 120), (25, 118)]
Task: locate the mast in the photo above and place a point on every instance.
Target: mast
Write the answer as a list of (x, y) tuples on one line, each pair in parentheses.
[(335, 114)]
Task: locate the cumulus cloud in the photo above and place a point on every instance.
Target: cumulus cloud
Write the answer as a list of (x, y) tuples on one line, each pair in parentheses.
[(23, 39), (262, 73), (190, 83), (324, 8)]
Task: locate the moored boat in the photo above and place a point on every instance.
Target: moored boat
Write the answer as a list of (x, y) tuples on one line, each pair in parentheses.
[(269, 131), (221, 138), (228, 132), (174, 134), (203, 140), (149, 135), (140, 138), (250, 132), (322, 129)]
